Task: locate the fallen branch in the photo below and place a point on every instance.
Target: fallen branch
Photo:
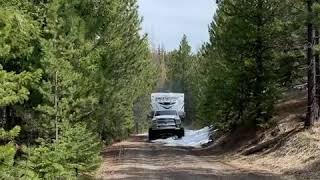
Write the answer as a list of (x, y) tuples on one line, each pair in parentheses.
[(266, 144)]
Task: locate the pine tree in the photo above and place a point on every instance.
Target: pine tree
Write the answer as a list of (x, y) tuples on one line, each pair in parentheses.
[(8, 152), (70, 62), (179, 62), (76, 152), (248, 44)]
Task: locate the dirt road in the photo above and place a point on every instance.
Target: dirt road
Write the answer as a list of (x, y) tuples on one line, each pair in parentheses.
[(138, 159)]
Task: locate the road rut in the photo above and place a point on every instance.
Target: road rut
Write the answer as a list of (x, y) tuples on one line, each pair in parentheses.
[(137, 159)]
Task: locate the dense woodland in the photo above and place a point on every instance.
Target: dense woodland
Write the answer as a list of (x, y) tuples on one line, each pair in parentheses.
[(77, 74), (70, 72), (256, 51)]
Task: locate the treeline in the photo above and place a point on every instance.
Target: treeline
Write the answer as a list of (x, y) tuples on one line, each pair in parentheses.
[(174, 70), (256, 48), (71, 73), (255, 52)]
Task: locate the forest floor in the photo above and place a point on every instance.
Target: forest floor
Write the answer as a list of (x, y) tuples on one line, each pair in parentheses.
[(283, 150), (295, 151)]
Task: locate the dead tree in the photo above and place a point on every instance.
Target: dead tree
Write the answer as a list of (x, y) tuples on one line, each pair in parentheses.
[(317, 71), (317, 65)]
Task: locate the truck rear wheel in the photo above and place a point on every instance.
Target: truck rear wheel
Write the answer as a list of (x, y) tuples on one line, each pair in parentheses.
[(181, 133), (151, 135)]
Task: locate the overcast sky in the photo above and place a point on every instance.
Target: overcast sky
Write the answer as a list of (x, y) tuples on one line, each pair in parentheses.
[(167, 20)]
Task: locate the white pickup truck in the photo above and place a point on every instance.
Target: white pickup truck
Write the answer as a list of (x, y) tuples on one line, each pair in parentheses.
[(167, 115)]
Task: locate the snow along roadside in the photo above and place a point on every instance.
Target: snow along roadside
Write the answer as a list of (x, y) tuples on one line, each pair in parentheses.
[(192, 138)]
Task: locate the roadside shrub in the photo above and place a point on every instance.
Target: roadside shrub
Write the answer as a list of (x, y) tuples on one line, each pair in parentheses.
[(77, 151), (8, 151)]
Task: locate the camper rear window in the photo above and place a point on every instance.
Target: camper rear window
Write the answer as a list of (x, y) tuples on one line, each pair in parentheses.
[(162, 113)]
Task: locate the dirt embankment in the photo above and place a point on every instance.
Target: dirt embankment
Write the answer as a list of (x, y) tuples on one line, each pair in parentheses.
[(284, 148)]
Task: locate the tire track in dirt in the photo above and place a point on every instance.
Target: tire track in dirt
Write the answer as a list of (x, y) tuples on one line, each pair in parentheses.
[(137, 159)]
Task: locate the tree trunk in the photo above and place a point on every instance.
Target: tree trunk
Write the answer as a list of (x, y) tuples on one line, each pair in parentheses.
[(3, 117), (317, 71), (259, 63), (311, 71), (56, 106)]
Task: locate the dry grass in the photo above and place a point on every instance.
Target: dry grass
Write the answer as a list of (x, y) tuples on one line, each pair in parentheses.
[(297, 152), (297, 155)]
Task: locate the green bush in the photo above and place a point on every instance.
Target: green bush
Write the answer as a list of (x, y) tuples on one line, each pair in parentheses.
[(77, 151), (8, 152)]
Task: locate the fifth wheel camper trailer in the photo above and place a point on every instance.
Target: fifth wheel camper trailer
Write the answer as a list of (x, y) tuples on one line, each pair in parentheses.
[(167, 115)]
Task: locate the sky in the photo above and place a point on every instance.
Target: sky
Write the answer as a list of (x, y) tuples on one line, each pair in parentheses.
[(165, 21)]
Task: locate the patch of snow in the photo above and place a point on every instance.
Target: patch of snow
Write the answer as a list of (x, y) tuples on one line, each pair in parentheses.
[(143, 134), (192, 138)]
